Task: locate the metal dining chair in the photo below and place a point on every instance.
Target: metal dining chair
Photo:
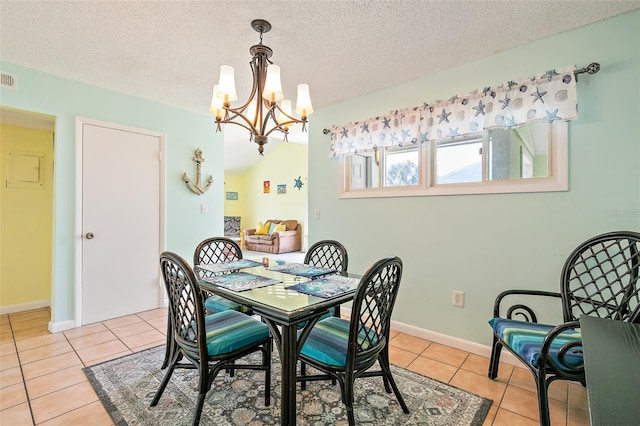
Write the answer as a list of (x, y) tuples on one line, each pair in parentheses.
[(346, 350), (208, 343)]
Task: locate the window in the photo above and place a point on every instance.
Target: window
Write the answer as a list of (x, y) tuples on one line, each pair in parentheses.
[(519, 153), (531, 158), (459, 162), (401, 167), (384, 168)]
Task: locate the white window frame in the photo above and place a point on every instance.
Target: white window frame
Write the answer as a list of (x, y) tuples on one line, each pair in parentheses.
[(557, 180)]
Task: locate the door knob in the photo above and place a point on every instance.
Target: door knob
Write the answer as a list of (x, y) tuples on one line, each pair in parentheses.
[(89, 236)]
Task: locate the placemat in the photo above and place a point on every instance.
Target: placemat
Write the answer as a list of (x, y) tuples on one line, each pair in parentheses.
[(233, 265), (326, 287), (302, 270), (240, 281)]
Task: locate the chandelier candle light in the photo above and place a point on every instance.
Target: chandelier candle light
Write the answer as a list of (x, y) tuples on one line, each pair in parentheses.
[(262, 105)]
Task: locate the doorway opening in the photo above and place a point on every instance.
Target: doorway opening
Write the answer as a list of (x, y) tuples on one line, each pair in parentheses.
[(27, 143)]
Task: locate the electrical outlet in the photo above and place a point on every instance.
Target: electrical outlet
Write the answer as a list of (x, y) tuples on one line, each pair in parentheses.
[(458, 298)]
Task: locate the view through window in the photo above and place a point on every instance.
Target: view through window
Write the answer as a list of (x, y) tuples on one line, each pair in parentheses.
[(500, 160)]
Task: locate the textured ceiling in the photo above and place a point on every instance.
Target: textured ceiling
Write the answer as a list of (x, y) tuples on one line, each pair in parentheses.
[(171, 51)]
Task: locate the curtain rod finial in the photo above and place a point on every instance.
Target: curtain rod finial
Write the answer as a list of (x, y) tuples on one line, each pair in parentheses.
[(592, 68)]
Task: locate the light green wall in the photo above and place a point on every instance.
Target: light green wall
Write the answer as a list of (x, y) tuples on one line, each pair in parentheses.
[(483, 244), (282, 166), (185, 131)]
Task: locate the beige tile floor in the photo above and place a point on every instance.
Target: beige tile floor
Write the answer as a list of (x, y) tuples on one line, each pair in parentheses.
[(42, 383)]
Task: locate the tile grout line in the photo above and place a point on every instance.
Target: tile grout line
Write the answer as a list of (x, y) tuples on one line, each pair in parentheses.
[(499, 405), (24, 380), (74, 350)]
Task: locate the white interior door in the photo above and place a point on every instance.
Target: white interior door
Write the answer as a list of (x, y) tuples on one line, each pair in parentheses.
[(121, 229)]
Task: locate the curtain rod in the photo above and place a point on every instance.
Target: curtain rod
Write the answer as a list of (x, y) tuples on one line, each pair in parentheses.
[(592, 68)]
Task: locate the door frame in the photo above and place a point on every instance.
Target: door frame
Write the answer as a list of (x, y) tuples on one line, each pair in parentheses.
[(80, 121)]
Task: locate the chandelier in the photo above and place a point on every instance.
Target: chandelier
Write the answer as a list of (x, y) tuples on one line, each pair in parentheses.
[(260, 114)]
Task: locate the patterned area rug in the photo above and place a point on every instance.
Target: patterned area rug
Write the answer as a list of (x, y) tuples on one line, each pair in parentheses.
[(126, 386)]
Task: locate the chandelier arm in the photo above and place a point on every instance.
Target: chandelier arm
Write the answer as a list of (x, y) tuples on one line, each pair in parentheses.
[(287, 123), (285, 133), (237, 123), (265, 119), (254, 89), (261, 103), (239, 112), (261, 118), (292, 120), (280, 129), (236, 113)]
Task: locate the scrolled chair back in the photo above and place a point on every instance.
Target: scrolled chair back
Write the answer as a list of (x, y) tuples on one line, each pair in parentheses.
[(601, 278)]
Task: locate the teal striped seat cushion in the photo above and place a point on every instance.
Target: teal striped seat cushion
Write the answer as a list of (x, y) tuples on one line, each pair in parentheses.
[(214, 304), (328, 341), (525, 338), (230, 330), (330, 313)]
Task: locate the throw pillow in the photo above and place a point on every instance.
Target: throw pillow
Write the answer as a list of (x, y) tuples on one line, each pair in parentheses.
[(279, 228), (272, 227), (263, 228)]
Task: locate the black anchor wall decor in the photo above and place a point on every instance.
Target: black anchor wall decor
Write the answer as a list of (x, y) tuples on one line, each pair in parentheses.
[(196, 187)]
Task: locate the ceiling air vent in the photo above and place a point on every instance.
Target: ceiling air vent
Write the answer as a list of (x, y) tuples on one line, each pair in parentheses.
[(8, 80)]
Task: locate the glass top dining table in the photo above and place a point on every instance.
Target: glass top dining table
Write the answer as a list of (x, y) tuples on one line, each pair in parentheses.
[(282, 309)]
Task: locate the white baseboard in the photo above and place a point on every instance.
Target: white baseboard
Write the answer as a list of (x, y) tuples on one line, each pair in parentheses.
[(36, 304), (55, 327), (443, 339), (454, 342)]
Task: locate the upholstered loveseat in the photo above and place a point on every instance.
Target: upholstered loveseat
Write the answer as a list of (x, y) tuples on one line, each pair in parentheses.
[(277, 241)]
